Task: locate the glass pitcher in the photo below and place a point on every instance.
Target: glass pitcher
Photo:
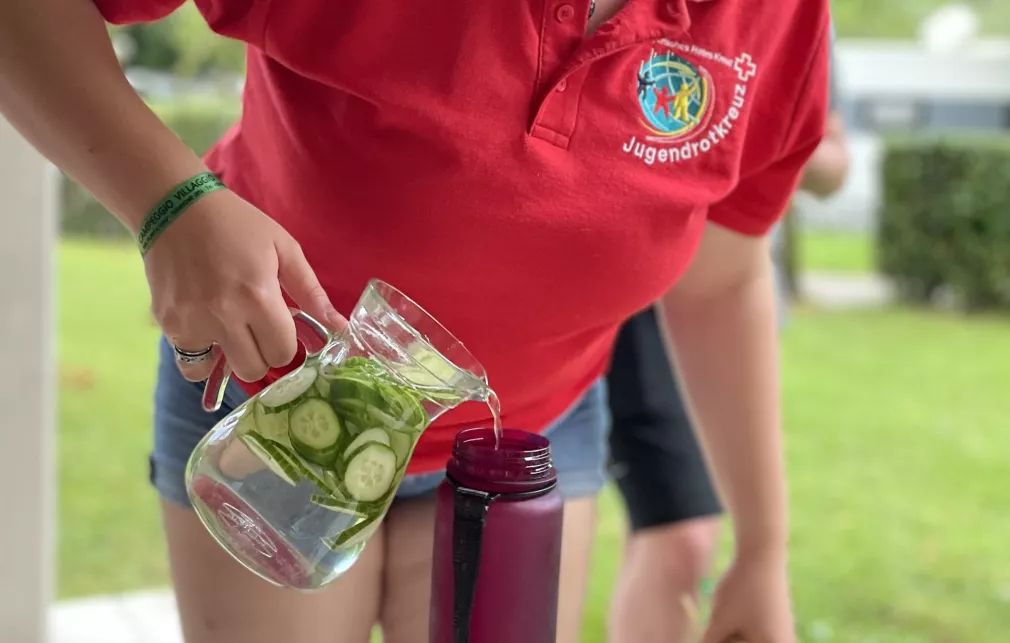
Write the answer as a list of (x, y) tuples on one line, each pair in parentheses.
[(294, 481)]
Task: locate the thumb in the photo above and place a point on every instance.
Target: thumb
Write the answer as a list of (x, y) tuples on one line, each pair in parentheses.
[(299, 281)]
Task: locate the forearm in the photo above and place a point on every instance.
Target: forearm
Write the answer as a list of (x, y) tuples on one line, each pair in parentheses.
[(725, 348), (63, 89)]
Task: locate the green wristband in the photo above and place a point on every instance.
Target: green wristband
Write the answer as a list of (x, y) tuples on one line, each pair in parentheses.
[(172, 206)]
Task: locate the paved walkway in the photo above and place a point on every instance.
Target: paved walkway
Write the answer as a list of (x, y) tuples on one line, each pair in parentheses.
[(840, 290), (139, 617)]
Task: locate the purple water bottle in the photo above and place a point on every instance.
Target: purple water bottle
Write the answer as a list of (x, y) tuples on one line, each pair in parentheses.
[(497, 542)]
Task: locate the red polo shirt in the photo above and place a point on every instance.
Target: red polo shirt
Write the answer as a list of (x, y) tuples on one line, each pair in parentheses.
[(530, 186)]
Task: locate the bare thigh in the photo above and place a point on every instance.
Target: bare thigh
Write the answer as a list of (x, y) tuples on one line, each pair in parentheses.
[(576, 552), (221, 602), (410, 535)]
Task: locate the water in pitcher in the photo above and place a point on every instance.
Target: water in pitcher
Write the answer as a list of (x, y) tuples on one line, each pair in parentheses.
[(320, 453), (434, 364)]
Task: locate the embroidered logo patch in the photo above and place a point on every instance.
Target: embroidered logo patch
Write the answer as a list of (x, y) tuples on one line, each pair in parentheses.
[(683, 113), (675, 96)]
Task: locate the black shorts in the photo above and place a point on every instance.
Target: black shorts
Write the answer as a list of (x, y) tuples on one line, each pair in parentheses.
[(655, 458)]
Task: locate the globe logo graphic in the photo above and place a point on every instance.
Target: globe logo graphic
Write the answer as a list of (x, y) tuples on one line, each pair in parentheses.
[(675, 96)]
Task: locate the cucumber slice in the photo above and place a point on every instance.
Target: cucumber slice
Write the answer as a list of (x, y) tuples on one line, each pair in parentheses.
[(370, 472), (429, 370), (334, 487), (338, 505), (333, 483), (350, 407), (356, 362), (308, 472), (272, 426), (285, 392), (362, 365), (339, 468), (354, 535), (379, 417), (405, 406), (434, 363), (274, 456), (246, 422), (315, 431), (349, 404), (401, 444), (369, 435), (350, 385), (322, 386), (285, 457), (365, 532)]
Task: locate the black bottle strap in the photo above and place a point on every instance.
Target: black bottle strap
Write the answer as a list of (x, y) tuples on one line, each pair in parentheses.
[(470, 512), (470, 509)]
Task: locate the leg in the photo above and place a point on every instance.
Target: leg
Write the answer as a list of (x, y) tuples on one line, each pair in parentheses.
[(661, 566), (578, 444), (576, 554), (410, 529), (662, 475), (219, 601), (222, 602)]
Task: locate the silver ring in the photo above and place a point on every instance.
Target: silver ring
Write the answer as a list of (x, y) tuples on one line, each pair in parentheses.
[(192, 358)]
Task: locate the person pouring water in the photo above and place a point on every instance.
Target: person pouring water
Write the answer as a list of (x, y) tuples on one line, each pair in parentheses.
[(517, 168)]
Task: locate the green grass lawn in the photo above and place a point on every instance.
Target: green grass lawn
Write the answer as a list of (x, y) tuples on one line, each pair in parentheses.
[(897, 448), (836, 252)]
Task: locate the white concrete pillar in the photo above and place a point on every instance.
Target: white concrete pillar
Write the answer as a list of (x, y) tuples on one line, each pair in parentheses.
[(27, 360)]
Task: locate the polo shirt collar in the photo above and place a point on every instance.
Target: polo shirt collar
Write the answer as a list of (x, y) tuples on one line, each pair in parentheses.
[(656, 18)]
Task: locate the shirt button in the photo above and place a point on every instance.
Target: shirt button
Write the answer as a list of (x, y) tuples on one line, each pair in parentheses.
[(565, 13), (562, 85)]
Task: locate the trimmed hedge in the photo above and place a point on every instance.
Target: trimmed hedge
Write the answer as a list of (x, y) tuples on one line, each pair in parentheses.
[(198, 122), (944, 222)]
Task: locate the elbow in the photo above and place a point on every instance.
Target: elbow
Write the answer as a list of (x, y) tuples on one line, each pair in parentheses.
[(827, 174), (828, 168)]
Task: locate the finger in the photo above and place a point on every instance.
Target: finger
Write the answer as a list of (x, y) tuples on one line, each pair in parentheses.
[(300, 282), (190, 347), (273, 329), (243, 354), (190, 330), (199, 371)]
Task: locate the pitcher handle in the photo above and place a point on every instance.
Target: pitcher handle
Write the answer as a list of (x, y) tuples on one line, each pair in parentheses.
[(312, 335)]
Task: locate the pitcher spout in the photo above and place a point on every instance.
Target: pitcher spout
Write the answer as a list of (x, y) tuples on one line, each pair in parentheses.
[(417, 349)]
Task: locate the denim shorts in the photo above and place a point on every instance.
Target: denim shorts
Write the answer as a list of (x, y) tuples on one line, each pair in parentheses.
[(578, 438)]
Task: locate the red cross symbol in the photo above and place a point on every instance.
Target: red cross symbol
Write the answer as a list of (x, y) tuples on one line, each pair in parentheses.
[(745, 67)]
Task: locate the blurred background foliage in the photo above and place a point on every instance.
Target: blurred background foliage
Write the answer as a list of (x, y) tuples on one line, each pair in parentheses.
[(180, 44)]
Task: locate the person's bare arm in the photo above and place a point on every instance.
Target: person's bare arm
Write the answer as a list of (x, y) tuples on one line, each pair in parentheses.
[(828, 168), (721, 320), (63, 89)]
